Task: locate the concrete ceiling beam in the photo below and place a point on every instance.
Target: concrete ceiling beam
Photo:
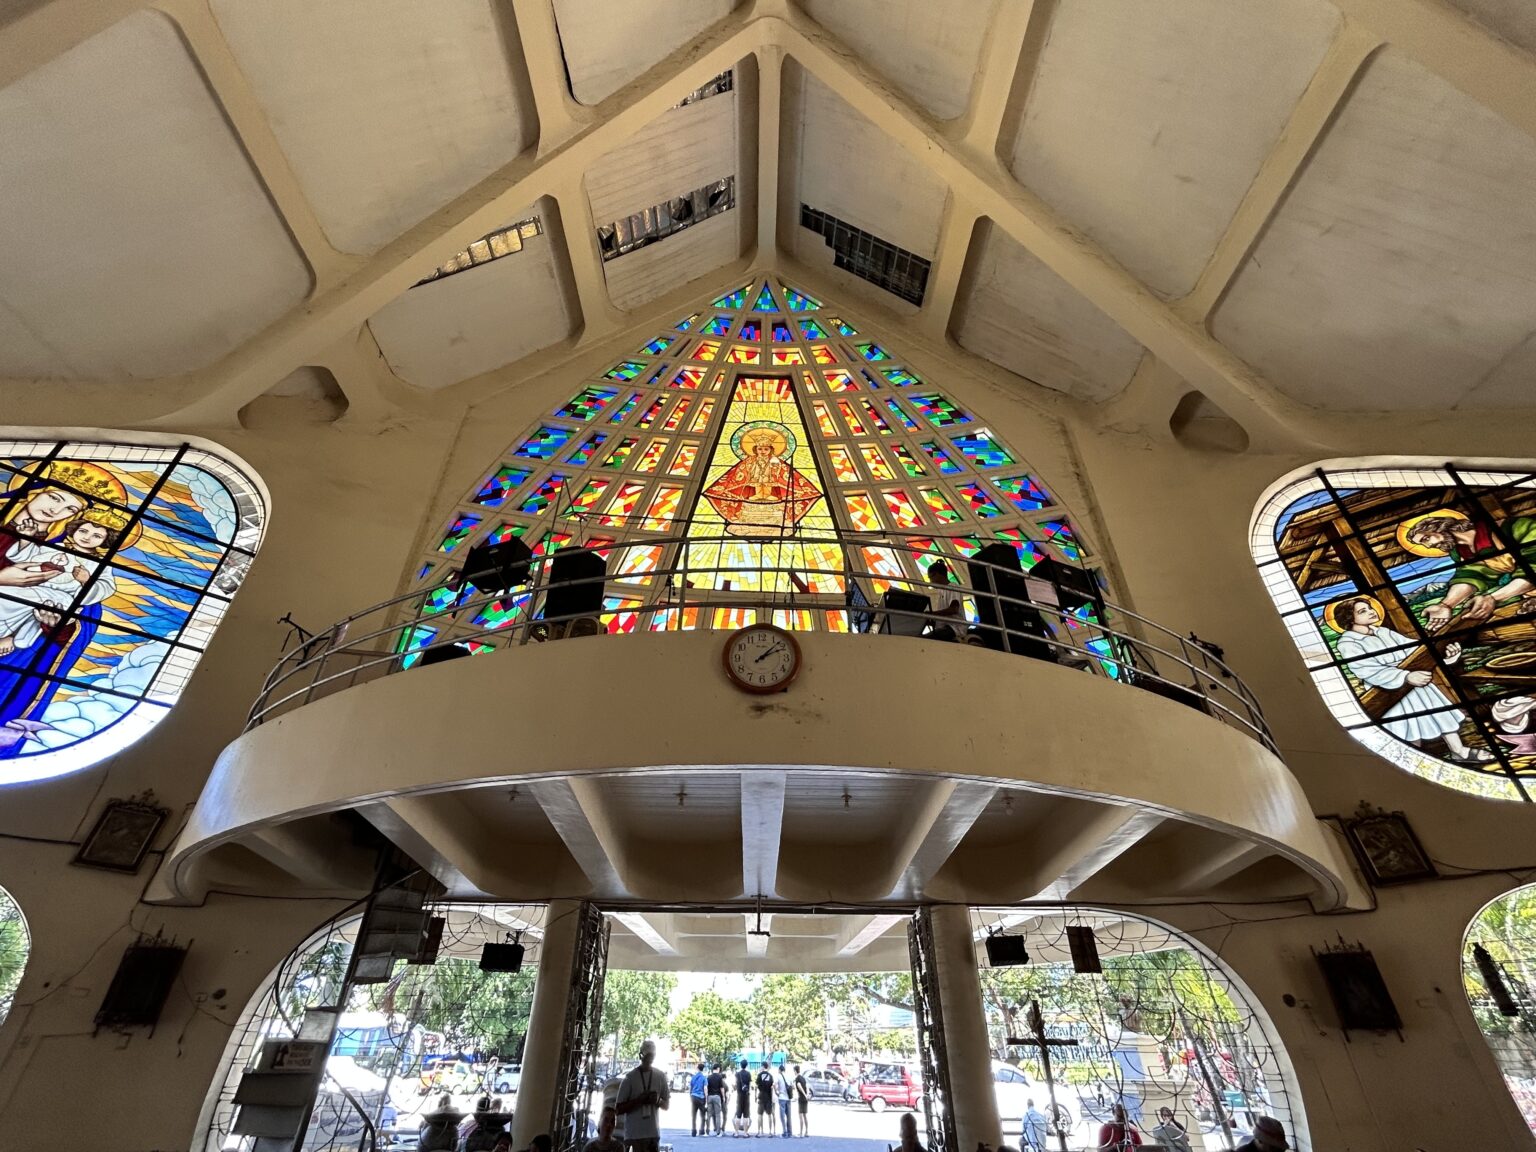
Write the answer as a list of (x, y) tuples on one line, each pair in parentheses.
[(1216, 867), (642, 926), (581, 819), (1074, 848), (762, 831), (1458, 49), (980, 181), (937, 825), (757, 945), (1325, 94), (205, 40), (560, 117), (859, 933), (770, 100), (308, 852)]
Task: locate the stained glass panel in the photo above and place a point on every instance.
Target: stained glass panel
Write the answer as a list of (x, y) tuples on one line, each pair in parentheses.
[(650, 459), (940, 411), (648, 417), (545, 443), (623, 411), (719, 326), (688, 378), (978, 501), (675, 419), (896, 410), (822, 354), (981, 450), (657, 346), (751, 330), (682, 463), (587, 450), (875, 462), (620, 453), (939, 505), (909, 463), (861, 512), (744, 354), (812, 330), (785, 357), (538, 501), (843, 328), (799, 301), (503, 482), (946, 466), (839, 381), (625, 371), (706, 350), (701, 417), (849, 418), (733, 300), (781, 332), (901, 377), (587, 403), (877, 420), (764, 302), (663, 509), (872, 352), (589, 495), (1024, 492), (622, 505), (842, 464), (687, 322), (901, 509), (1060, 533), (458, 532), (823, 418)]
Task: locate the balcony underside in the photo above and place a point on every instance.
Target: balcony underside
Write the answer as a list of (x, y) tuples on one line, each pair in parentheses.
[(628, 769)]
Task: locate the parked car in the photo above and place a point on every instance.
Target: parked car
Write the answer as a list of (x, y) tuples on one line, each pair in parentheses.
[(457, 1076), (1014, 1090), (827, 1085), (506, 1079), (883, 1085)]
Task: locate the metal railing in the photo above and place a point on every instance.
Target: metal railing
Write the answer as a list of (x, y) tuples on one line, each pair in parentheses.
[(1006, 610)]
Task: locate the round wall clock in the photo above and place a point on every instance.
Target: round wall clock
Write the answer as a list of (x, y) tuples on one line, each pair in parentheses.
[(761, 658)]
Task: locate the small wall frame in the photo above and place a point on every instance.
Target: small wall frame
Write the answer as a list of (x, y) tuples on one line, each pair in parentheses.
[(122, 835), (1387, 849)]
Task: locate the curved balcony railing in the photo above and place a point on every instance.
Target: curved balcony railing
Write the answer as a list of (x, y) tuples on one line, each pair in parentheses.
[(1064, 621)]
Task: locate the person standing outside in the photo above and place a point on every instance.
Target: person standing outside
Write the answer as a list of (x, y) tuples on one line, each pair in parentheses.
[(698, 1117), (642, 1093), (1119, 1133), (765, 1106), (714, 1095), (909, 1141), (1035, 1128), (781, 1096), (1268, 1136), (743, 1118), (803, 1101)]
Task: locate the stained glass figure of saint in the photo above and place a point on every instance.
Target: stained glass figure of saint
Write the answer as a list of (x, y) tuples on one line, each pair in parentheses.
[(762, 494)]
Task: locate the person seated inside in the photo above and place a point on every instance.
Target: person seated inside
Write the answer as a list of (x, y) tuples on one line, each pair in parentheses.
[(1119, 1133), (948, 604), (605, 1140)]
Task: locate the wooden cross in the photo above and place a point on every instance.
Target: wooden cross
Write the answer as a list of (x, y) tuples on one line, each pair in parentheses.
[(1045, 1043)]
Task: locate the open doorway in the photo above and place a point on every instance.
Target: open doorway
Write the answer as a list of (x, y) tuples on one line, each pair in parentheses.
[(804, 1022), (1165, 1033)]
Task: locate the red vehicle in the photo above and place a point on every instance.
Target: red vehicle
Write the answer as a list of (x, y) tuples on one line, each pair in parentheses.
[(883, 1085)]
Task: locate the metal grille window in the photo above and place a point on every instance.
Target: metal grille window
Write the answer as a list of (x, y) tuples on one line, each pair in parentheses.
[(715, 86), (501, 243), (666, 219), (868, 257)]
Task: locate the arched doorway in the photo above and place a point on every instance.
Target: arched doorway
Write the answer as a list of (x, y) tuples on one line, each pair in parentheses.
[(1498, 962), (15, 946), (1165, 1025)]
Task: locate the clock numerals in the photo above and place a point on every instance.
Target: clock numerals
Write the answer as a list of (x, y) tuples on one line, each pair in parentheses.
[(761, 658)]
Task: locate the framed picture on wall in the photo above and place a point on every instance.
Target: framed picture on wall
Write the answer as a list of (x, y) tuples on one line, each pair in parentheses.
[(1358, 992), (123, 833), (1387, 849)]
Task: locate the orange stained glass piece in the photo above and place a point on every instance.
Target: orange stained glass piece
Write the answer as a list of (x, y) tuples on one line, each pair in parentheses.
[(942, 508), (587, 498), (669, 620), (663, 509), (622, 504), (682, 463), (675, 421), (688, 378), (706, 350), (861, 512), (745, 354), (823, 418), (884, 568), (837, 621), (822, 354), (902, 509), (734, 617), (842, 463), (853, 421), (622, 616), (840, 381), (878, 468), (785, 356), (875, 418), (808, 381), (794, 619), (639, 561), (650, 459), (701, 417), (649, 417)]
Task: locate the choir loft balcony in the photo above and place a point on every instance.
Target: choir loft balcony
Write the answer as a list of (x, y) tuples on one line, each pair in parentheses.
[(569, 725)]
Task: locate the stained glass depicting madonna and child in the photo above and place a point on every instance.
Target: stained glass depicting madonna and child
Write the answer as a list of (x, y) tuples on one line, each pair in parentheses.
[(722, 466), (1411, 594), (117, 563)]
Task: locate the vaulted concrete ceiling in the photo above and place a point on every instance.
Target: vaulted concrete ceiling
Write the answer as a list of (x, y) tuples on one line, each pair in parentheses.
[(1294, 210)]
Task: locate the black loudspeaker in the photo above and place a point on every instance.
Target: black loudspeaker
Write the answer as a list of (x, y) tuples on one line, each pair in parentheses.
[(1085, 948), (143, 980), (431, 941), (501, 958), (443, 653), (566, 599), (1026, 630), (497, 567), (1075, 587), (1006, 951)]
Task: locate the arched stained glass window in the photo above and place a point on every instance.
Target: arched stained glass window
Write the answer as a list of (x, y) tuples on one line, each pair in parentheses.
[(1410, 591), (1498, 971), (668, 453), (117, 562)]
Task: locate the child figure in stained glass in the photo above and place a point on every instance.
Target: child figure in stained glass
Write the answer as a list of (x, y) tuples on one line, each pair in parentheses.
[(93, 534), (1377, 655), (761, 494)]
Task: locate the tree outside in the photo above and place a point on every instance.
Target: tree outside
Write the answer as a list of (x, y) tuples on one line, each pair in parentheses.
[(711, 1027), (1506, 928), (14, 946), (635, 1006)]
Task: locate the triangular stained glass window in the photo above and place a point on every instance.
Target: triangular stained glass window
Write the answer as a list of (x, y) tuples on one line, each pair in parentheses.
[(777, 480)]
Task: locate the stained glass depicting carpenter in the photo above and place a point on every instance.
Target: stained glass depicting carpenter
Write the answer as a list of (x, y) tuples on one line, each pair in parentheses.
[(728, 475), (1411, 594), (116, 565)]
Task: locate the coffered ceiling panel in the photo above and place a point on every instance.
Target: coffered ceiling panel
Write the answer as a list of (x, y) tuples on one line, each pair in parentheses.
[(921, 48), (1515, 20), (1146, 123), (1398, 273), (386, 110), (606, 45), (471, 322), (138, 241), (1016, 312)]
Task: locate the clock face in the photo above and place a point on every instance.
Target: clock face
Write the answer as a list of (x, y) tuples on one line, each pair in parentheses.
[(762, 658)]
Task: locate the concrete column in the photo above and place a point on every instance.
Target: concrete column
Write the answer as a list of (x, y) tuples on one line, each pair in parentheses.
[(973, 1099), (546, 1024)]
